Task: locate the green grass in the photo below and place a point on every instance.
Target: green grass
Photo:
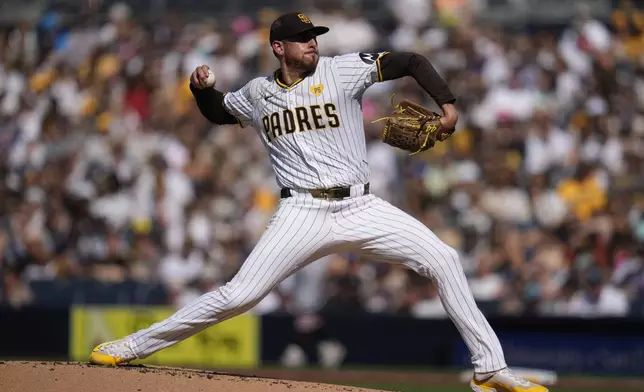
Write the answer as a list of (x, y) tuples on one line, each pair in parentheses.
[(403, 388), (464, 388)]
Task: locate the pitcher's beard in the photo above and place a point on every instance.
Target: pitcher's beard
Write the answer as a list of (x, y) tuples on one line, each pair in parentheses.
[(303, 66)]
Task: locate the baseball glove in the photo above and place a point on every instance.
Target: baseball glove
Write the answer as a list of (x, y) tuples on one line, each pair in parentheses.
[(412, 127)]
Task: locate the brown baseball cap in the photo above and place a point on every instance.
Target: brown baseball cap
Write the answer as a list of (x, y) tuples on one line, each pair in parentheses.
[(292, 24)]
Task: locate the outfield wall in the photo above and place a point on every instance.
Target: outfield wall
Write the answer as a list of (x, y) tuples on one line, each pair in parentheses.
[(598, 346)]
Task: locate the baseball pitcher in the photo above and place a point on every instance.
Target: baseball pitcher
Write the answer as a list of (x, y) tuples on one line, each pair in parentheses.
[(308, 114)]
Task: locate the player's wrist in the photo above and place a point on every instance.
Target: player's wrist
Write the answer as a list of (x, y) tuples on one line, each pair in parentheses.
[(450, 116)]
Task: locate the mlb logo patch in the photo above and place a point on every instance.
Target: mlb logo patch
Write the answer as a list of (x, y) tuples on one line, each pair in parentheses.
[(369, 58)]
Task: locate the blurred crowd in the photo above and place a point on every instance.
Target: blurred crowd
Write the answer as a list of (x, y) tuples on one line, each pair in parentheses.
[(110, 172)]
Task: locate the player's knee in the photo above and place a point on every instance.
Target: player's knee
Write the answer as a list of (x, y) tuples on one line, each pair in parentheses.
[(232, 297), (241, 303), (449, 261), (435, 262)]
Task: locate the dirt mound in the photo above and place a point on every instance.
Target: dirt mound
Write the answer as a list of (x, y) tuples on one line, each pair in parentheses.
[(65, 377)]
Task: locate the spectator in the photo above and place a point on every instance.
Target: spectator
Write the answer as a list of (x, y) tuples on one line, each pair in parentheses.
[(111, 173), (583, 193), (598, 298)]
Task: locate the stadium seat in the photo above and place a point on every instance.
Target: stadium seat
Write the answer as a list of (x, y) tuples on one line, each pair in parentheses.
[(52, 293)]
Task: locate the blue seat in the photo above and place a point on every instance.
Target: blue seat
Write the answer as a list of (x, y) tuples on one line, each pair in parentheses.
[(57, 293), (61, 293), (126, 291), (152, 294), (95, 292), (637, 308), (491, 307)]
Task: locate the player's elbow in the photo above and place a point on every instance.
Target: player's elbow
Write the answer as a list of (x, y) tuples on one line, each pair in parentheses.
[(214, 117), (216, 114), (211, 105), (417, 63), (414, 59)]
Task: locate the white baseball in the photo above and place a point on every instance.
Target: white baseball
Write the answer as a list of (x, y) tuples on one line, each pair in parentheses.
[(211, 79)]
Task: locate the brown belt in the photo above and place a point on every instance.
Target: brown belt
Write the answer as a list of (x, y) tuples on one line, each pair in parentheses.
[(328, 194)]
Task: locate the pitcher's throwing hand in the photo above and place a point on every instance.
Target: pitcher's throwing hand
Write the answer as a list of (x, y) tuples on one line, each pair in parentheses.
[(200, 77)]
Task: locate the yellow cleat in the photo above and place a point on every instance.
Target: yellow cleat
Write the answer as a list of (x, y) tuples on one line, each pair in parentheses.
[(505, 381), (116, 352)]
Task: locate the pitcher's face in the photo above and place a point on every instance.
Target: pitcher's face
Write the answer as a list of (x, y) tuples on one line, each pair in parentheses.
[(300, 51)]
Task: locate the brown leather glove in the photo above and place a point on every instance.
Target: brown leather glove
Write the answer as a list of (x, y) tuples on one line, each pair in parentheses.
[(413, 128)]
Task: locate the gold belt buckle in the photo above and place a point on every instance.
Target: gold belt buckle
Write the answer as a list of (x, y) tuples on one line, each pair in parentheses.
[(333, 193), (327, 194)]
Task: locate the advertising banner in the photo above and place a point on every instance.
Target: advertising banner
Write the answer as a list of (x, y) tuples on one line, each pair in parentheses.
[(233, 343), (569, 352)]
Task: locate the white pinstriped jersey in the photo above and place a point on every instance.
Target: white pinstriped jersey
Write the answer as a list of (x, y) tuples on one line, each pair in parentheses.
[(313, 129)]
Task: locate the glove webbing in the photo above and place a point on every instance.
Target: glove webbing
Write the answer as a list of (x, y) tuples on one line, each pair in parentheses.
[(428, 126)]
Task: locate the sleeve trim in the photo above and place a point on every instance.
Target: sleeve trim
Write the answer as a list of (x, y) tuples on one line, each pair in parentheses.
[(380, 79), (223, 103)]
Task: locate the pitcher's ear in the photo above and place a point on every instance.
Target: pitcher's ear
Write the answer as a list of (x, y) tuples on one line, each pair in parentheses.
[(278, 48)]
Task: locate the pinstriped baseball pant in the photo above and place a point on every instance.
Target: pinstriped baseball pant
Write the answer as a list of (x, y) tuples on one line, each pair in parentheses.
[(304, 229)]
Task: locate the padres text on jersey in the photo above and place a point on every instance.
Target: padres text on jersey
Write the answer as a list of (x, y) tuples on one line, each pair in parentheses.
[(300, 119), (313, 128)]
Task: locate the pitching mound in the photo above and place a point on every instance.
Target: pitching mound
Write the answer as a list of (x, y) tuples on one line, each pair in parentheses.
[(65, 377)]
